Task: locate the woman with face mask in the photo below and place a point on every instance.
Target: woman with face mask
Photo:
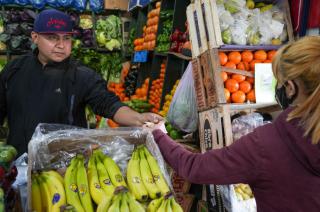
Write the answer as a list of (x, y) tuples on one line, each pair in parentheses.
[(280, 161)]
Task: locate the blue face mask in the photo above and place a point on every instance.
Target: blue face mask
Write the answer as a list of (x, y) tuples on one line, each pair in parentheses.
[(282, 98)]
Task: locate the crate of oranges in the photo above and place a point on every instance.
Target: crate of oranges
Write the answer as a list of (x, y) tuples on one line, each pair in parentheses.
[(237, 73), (227, 76)]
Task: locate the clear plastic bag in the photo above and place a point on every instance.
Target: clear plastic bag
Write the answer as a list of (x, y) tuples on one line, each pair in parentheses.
[(233, 204), (96, 5), (183, 113), (238, 31), (53, 146), (246, 124)]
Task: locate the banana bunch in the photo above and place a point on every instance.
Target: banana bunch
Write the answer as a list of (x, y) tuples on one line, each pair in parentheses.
[(144, 176), (2, 206), (47, 190), (164, 205), (243, 191), (124, 202)]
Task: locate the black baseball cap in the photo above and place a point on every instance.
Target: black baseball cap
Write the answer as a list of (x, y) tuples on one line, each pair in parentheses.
[(53, 21)]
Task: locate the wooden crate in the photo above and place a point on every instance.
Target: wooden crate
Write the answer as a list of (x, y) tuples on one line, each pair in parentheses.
[(215, 129), (197, 31), (208, 83), (116, 4), (212, 25)]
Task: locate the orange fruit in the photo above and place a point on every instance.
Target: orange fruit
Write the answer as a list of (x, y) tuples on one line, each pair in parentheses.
[(223, 58), (243, 66), (234, 57), (253, 62), (245, 86), (251, 96), (238, 97), (247, 56), (238, 77), (270, 54), (267, 61), (232, 85), (224, 76), (250, 80), (230, 64), (227, 94), (260, 55)]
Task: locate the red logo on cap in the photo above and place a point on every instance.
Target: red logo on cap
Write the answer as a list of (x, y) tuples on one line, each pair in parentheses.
[(56, 23)]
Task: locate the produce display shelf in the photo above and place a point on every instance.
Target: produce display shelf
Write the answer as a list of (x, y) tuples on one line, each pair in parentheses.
[(246, 47), (161, 54), (246, 106), (181, 56)]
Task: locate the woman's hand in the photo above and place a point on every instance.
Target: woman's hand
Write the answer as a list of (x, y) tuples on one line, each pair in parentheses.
[(152, 126)]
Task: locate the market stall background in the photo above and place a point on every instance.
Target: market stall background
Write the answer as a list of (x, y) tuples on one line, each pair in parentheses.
[(143, 48)]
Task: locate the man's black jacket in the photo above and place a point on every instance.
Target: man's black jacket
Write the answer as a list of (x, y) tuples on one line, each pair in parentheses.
[(31, 93)]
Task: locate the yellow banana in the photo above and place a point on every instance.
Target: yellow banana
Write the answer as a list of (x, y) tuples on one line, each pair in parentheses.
[(104, 204), (70, 184), (56, 175), (154, 205), (35, 194), (96, 191), (56, 188), (115, 206), (156, 173), (168, 205), (45, 195), (113, 170), (104, 178), (134, 205), (83, 187), (2, 208), (147, 177), (163, 206), (134, 178), (124, 207), (175, 206)]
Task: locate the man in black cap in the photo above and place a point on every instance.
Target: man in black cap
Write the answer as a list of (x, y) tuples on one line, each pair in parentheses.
[(50, 87)]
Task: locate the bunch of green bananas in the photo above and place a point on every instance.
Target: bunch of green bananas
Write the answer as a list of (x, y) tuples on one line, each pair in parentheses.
[(164, 205), (48, 192), (144, 176)]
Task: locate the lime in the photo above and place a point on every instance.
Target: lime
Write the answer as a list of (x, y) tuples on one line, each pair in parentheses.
[(169, 128), (174, 134)]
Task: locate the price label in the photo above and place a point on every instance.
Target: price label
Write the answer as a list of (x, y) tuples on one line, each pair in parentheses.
[(140, 57)]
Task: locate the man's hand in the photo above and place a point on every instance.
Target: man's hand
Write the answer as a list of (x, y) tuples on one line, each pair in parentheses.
[(150, 117)]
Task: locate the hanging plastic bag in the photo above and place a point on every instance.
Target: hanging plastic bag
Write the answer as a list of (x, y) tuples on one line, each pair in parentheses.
[(38, 4), (96, 5), (183, 113), (65, 3), (21, 2), (79, 5), (52, 3)]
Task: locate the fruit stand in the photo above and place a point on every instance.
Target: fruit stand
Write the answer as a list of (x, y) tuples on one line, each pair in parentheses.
[(143, 49)]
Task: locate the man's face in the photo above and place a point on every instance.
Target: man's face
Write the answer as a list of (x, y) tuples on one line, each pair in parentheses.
[(53, 47)]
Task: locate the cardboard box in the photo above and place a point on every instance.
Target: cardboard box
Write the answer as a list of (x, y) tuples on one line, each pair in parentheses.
[(116, 4), (208, 83), (63, 142)]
